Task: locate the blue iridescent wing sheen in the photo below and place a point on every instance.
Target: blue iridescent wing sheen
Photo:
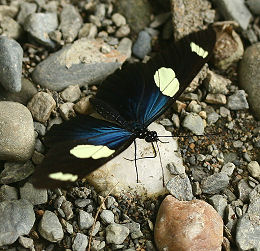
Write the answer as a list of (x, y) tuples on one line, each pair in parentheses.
[(132, 91), (82, 130)]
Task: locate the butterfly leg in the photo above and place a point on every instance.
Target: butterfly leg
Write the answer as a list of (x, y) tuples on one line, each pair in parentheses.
[(136, 169), (160, 162)]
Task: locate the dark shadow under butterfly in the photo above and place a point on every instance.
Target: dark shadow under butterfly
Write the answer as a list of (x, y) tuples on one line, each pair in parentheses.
[(129, 100)]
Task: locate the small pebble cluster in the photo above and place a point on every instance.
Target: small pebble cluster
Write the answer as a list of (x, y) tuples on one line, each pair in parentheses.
[(53, 56)]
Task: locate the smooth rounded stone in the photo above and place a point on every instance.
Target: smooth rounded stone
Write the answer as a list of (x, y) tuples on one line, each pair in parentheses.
[(10, 64), (10, 11), (180, 187), (50, 227), (34, 195), (116, 233), (123, 31), (17, 132), (83, 106), (212, 118), (235, 10), (142, 45), (237, 144), (107, 217), (25, 10), (38, 25), (85, 220), (14, 172), (8, 193), (78, 64), (118, 19), (219, 202), (16, 219), (254, 169), (216, 99), (249, 77), (88, 30), (26, 242), (187, 225), (66, 110), (70, 23), (41, 106), (215, 183), (119, 173), (254, 6), (125, 47), (10, 28), (134, 229), (237, 101), (71, 93), (176, 120), (194, 123), (26, 93), (194, 107), (80, 242), (228, 168)]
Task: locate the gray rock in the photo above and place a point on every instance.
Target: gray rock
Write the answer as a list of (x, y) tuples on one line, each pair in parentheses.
[(231, 218), (254, 169), (116, 233), (26, 242), (96, 228), (39, 147), (249, 77), (254, 6), (41, 106), (194, 107), (25, 10), (160, 19), (134, 229), (88, 30), (215, 183), (176, 120), (16, 219), (125, 47), (71, 22), (50, 227), (107, 217), (194, 123), (235, 10), (224, 112), (175, 168), (34, 195), (123, 31), (66, 111), (237, 144), (237, 101), (39, 128), (37, 158), (219, 203), (67, 209), (10, 64), (228, 168), (8, 193), (118, 19), (14, 172), (142, 46), (217, 99), (110, 201), (80, 63), (212, 118), (10, 28), (80, 242), (38, 25), (71, 93), (10, 11), (180, 187), (85, 219)]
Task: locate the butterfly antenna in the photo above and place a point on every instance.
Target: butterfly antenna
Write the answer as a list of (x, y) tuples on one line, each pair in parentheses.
[(160, 162), (187, 136)]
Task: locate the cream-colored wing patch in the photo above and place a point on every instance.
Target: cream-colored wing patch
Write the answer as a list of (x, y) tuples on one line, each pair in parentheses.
[(90, 151), (63, 176), (198, 50), (165, 79)]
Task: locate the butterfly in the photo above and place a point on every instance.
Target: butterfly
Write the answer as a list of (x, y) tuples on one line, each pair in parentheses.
[(129, 100)]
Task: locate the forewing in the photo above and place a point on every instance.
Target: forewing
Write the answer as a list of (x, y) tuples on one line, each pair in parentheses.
[(77, 147)]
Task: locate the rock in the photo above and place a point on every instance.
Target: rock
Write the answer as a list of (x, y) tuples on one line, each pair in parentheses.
[(180, 187), (34, 195), (10, 11), (80, 242), (235, 10), (116, 233), (142, 46), (249, 76), (67, 111), (123, 31), (224, 112), (8, 193), (125, 47), (136, 12), (50, 227), (215, 183), (83, 58), (37, 158), (134, 229), (254, 169), (216, 99), (17, 132), (160, 19), (175, 168), (85, 220), (14, 172), (26, 242), (88, 30), (219, 202), (10, 28), (83, 106), (41, 106), (187, 225), (39, 128), (194, 107), (118, 19), (149, 169), (16, 219), (10, 64), (67, 207), (237, 101), (71, 93), (254, 6), (212, 118), (25, 10), (70, 23), (194, 123), (107, 217), (228, 168)]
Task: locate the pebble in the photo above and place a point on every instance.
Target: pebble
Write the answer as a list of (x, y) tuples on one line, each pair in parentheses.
[(10, 28), (107, 217), (219, 202), (194, 225), (16, 219), (80, 242), (70, 23), (212, 118), (11, 64), (254, 169), (66, 110), (194, 123), (123, 31), (116, 233), (125, 47), (228, 168), (216, 99), (142, 46), (88, 30), (8, 193), (10, 11), (118, 19), (39, 147), (215, 183), (224, 112), (25, 10), (17, 132), (67, 207), (85, 220), (41, 106), (194, 107), (71, 93), (175, 168), (160, 20), (180, 187), (134, 229), (26, 242), (35, 196), (237, 101), (39, 128), (38, 25), (50, 227)]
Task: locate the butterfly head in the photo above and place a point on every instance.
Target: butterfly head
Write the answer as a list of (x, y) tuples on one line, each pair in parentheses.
[(148, 136)]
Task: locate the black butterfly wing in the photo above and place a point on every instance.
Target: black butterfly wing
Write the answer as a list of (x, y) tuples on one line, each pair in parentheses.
[(133, 91), (77, 147)]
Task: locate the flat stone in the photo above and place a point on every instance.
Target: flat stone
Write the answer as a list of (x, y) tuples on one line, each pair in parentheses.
[(116, 233), (237, 101), (215, 183), (71, 93), (8, 193), (219, 202), (80, 242), (86, 220), (194, 123), (217, 99)]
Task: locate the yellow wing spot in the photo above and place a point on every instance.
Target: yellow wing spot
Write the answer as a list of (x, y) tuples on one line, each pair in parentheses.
[(198, 50), (91, 151), (165, 79), (63, 176)]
